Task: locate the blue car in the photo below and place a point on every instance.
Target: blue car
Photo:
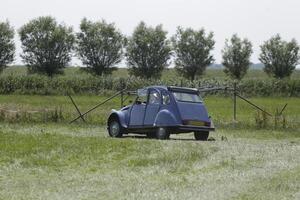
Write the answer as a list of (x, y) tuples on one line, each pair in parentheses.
[(159, 111)]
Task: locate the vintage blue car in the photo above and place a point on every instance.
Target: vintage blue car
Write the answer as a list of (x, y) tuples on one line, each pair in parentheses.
[(159, 111)]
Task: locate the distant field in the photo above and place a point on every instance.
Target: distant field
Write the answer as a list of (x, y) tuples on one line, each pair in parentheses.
[(220, 108), (167, 74)]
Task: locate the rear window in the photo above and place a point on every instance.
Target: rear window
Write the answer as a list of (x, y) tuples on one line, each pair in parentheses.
[(187, 97)]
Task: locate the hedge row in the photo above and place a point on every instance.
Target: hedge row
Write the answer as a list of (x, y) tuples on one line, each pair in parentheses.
[(61, 85)]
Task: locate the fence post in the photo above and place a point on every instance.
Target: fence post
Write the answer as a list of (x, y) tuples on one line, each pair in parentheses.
[(234, 100), (122, 99)]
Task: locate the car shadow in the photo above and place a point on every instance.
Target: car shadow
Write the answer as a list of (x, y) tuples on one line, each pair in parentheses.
[(174, 139)]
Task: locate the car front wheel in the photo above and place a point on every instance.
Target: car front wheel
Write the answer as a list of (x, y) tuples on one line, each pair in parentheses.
[(201, 135), (162, 133), (115, 129)]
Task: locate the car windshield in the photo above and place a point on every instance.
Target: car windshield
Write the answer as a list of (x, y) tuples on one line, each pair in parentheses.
[(188, 97)]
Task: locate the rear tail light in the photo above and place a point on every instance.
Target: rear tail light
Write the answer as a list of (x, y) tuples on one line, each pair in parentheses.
[(207, 124)]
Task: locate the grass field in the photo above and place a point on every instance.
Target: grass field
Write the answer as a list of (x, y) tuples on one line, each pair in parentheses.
[(50, 161), (220, 108), (40, 159), (79, 161)]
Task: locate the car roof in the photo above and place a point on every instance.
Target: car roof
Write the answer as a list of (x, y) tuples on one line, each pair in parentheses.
[(160, 87), (174, 88)]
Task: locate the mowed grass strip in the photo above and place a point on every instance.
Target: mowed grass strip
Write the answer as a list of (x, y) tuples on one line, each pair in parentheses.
[(56, 161), (281, 185)]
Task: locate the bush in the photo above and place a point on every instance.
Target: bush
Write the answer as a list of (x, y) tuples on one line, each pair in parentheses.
[(61, 85), (236, 57), (46, 45), (280, 57), (7, 46), (148, 51), (100, 46), (193, 51)]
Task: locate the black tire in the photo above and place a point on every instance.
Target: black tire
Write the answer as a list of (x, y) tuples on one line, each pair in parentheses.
[(162, 133), (201, 135), (115, 129)]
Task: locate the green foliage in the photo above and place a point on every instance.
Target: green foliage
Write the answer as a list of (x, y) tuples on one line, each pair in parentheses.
[(193, 51), (236, 57), (88, 84), (46, 45), (279, 57), (7, 46), (100, 46), (148, 51)]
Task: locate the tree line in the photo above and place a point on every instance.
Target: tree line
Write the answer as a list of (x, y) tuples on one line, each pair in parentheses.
[(49, 46)]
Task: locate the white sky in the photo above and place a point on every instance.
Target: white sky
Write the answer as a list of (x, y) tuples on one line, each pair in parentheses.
[(257, 20)]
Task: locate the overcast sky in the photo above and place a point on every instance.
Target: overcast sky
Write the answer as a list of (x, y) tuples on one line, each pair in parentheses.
[(257, 20)]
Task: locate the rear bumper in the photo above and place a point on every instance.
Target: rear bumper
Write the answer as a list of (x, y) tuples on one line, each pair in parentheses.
[(195, 128)]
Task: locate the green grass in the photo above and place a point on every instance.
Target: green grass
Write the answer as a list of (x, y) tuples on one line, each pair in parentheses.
[(220, 108), (40, 159), (79, 161), (56, 161)]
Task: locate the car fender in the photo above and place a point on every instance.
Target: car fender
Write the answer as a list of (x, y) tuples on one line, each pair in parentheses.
[(121, 117), (165, 118)]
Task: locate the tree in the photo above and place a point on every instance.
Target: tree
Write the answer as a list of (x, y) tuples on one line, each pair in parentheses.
[(7, 46), (148, 51), (46, 45), (236, 57), (193, 51), (100, 46), (279, 57)]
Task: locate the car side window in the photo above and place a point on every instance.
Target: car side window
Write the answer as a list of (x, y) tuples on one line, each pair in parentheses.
[(142, 96), (165, 98), (154, 97)]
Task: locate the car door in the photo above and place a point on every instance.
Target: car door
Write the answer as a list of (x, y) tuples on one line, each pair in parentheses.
[(137, 112), (152, 108)]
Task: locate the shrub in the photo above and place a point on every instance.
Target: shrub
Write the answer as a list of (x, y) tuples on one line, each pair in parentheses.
[(100, 46), (236, 57), (193, 51), (7, 46), (148, 51), (61, 85), (46, 45), (279, 57)]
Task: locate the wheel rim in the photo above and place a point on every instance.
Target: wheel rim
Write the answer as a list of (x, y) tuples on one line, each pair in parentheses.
[(114, 128), (161, 131)]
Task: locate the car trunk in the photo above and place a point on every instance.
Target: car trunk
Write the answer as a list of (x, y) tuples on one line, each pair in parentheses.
[(193, 112)]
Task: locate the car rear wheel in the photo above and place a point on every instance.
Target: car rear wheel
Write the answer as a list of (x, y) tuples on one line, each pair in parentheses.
[(115, 129), (201, 135), (162, 133)]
